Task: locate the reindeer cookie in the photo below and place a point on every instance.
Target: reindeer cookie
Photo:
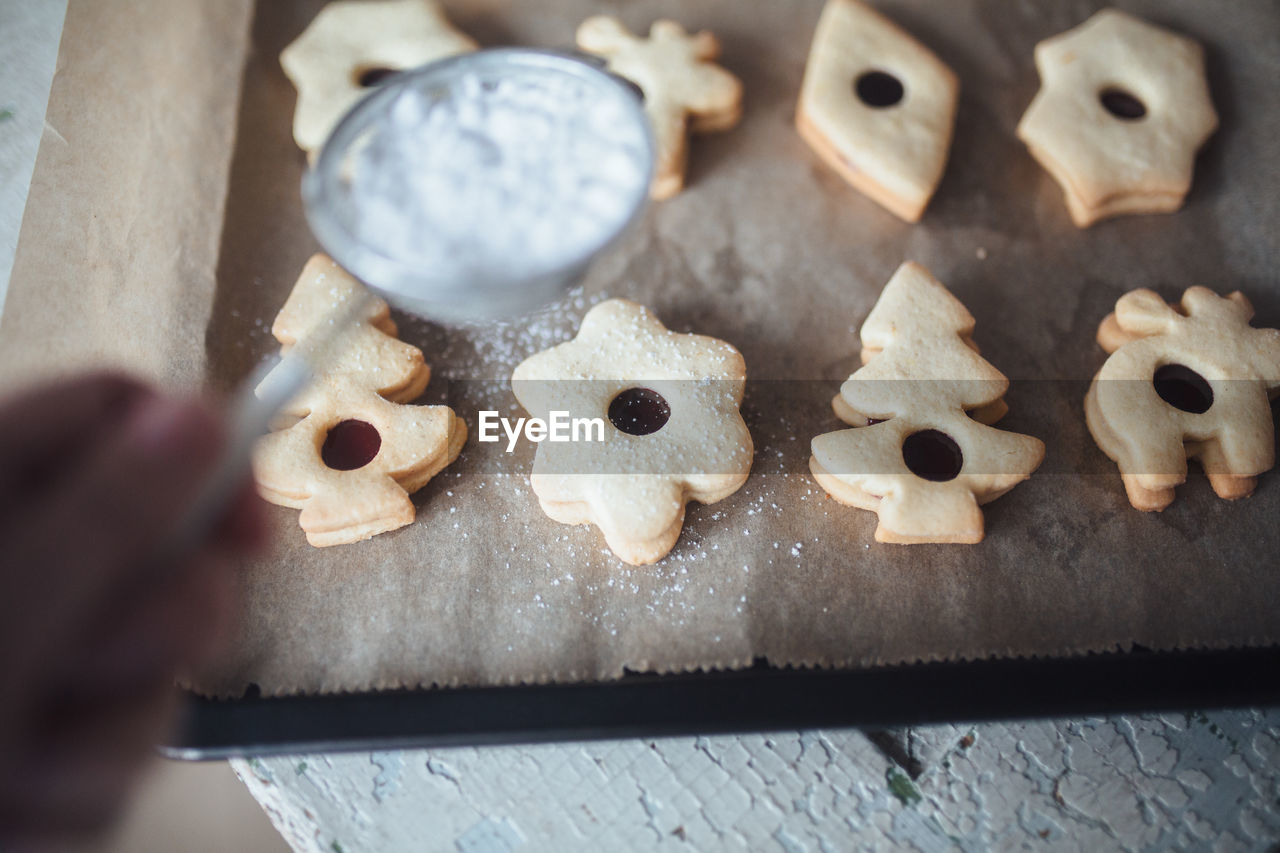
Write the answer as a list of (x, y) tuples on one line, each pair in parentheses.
[(352, 453), (1191, 381), (919, 460), (878, 107), (1122, 109), (684, 90), (351, 47), (674, 432)]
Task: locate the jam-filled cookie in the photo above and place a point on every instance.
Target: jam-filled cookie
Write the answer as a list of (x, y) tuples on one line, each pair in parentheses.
[(878, 107), (351, 47), (673, 431), (922, 459), (1122, 109), (1191, 381), (350, 452)]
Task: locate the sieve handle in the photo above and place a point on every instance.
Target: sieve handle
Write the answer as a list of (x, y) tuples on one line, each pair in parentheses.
[(259, 398)]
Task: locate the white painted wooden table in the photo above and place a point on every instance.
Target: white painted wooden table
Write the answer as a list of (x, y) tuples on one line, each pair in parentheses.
[(1171, 782)]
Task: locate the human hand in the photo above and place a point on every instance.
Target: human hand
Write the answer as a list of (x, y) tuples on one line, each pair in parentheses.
[(93, 473)]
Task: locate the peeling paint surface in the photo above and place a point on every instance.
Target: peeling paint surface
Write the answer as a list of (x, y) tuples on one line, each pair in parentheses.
[(1172, 782)]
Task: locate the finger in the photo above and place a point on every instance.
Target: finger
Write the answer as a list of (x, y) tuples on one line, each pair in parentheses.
[(44, 432), (107, 522), (103, 730), (147, 634), (244, 529), (81, 762), (99, 530), (49, 415)]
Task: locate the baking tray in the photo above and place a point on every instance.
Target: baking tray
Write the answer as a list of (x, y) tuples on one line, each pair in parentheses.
[(1225, 237), (771, 252), (762, 698), (1038, 287)]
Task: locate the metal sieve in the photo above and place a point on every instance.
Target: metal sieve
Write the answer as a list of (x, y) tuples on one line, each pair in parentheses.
[(411, 285)]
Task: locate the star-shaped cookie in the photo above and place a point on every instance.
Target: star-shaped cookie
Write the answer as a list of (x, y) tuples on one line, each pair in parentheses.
[(1122, 109), (684, 90), (352, 46), (1192, 381), (673, 429)]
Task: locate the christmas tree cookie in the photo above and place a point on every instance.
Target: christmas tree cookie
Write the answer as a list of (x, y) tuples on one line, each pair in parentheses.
[(925, 457), (349, 452)]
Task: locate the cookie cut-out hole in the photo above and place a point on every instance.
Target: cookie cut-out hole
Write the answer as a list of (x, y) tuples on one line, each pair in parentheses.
[(1122, 105), (878, 89), (932, 455), (350, 445), (375, 75), (639, 411), (1183, 388)]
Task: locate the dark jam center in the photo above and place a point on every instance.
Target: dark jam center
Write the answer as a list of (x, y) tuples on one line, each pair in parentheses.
[(350, 445), (639, 411), (1183, 388), (878, 89), (1122, 105), (932, 455), (376, 76)]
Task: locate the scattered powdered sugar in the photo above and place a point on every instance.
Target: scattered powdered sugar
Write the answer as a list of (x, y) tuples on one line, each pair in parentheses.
[(482, 356), (528, 171)]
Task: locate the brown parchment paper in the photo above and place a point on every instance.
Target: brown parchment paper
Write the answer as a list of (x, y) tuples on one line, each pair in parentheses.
[(166, 231), (120, 237)]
